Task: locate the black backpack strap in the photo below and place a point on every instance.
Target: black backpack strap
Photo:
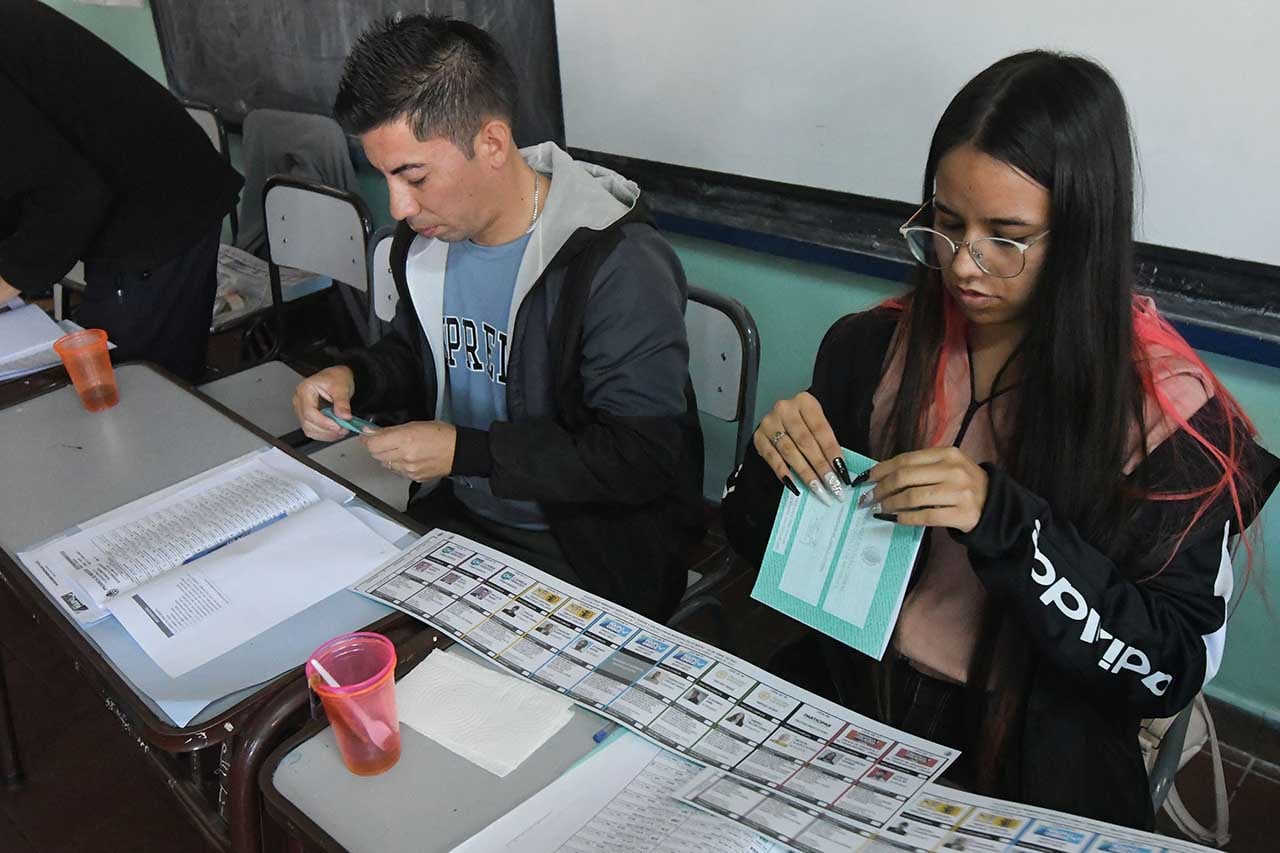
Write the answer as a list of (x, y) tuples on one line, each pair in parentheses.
[(400, 243)]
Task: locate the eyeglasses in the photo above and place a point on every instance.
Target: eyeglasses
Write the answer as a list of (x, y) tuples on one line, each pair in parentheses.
[(996, 256)]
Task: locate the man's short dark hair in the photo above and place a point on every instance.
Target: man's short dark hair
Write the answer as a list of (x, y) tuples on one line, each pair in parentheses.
[(447, 77)]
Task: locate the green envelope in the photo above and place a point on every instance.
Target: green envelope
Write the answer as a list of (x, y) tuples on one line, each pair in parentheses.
[(837, 569)]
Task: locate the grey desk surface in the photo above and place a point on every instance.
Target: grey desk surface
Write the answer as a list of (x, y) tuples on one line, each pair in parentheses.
[(431, 800), (262, 394), (348, 459), (63, 465)]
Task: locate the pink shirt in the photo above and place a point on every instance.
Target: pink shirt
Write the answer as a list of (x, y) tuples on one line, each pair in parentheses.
[(942, 614)]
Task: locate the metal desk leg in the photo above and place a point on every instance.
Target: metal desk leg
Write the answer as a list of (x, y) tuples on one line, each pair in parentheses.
[(10, 766), (265, 730)]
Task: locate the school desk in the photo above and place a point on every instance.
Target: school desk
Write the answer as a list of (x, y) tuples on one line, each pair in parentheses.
[(62, 466)]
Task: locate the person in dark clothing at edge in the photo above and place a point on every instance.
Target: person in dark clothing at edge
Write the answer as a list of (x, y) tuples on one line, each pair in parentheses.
[(102, 164), (1081, 471), (539, 341)]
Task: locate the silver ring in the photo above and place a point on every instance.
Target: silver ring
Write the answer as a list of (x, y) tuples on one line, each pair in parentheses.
[(777, 436)]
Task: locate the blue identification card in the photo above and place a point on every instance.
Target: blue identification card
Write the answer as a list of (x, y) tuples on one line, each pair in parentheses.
[(357, 425)]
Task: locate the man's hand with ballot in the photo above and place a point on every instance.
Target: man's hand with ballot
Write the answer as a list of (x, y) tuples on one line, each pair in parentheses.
[(419, 450), (333, 386)]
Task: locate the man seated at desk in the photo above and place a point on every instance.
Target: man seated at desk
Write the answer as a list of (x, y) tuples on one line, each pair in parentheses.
[(102, 164), (539, 341)]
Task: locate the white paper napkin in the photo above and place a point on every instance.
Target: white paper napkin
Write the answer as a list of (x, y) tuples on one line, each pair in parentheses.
[(492, 719)]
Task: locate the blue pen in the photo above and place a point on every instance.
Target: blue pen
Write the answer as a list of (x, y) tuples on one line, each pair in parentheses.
[(599, 737), (254, 529)]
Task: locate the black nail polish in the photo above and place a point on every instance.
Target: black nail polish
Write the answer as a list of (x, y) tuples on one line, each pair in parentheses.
[(861, 478), (842, 470), (885, 516), (786, 481)]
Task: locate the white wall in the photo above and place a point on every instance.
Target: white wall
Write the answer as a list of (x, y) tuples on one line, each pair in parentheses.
[(844, 94)]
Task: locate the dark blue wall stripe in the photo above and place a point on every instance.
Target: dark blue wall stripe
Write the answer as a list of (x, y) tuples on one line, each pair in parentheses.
[(786, 247), (1239, 346)]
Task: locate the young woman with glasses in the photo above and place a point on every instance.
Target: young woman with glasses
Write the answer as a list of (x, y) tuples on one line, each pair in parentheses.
[(1081, 471)]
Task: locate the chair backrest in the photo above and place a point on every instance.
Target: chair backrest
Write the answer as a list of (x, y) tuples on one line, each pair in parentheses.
[(382, 286), (724, 361), (318, 229), (76, 275), (385, 295), (210, 122)]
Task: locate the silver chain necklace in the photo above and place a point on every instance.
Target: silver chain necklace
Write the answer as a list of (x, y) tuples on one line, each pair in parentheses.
[(534, 219)]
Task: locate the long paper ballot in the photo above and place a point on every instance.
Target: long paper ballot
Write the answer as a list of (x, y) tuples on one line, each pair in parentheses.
[(691, 698), (836, 568)]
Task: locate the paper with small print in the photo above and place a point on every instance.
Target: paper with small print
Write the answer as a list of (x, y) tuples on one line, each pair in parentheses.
[(836, 568), (937, 818), (690, 698)]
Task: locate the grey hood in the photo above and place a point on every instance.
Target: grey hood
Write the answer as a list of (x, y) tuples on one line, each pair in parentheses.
[(583, 195)]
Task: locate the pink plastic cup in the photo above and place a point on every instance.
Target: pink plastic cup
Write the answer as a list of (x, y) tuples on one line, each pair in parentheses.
[(88, 363), (362, 708)]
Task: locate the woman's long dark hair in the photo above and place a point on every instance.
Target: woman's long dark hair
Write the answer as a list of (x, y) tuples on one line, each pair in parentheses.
[(1062, 121), (1086, 362)]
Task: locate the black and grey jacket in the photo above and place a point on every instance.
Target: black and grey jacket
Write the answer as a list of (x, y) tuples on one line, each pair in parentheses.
[(1082, 651), (604, 432)]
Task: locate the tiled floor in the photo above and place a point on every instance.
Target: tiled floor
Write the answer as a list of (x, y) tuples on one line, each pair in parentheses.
[(89, 789), (1253, 786)]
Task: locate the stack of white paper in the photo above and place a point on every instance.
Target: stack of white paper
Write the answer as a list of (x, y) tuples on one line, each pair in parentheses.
[(195, 570), (492, 719), (26, 341), (188, 617)]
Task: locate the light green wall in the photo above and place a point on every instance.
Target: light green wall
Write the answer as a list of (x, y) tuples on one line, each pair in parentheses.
[(1250, 675), (793, 304)]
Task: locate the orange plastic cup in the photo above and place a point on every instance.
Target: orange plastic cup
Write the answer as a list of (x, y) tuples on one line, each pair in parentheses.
[(85, 356), (362, 708)]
